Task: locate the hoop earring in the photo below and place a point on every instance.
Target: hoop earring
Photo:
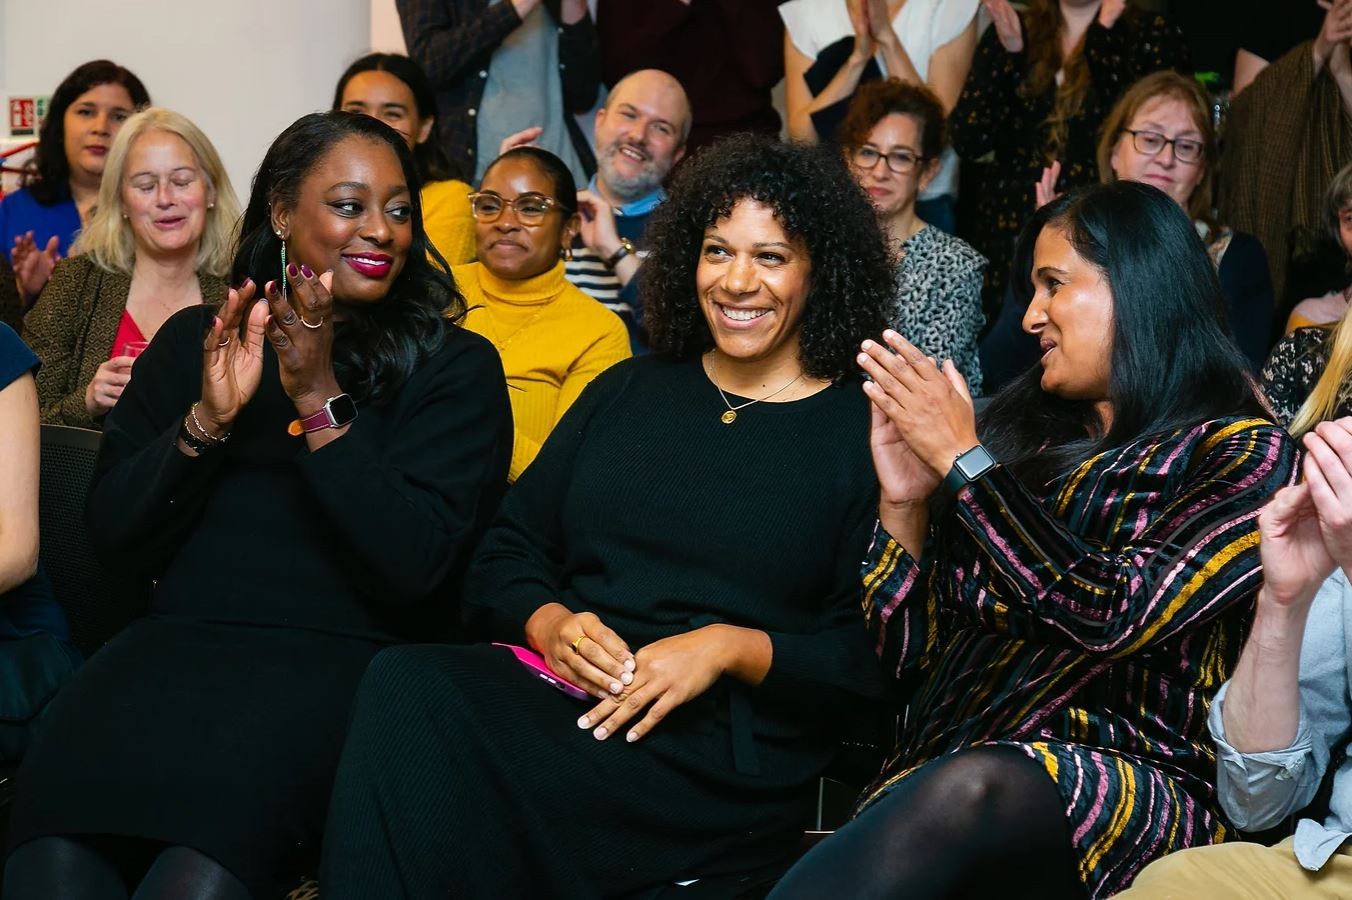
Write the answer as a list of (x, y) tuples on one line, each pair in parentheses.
[(568, 253)]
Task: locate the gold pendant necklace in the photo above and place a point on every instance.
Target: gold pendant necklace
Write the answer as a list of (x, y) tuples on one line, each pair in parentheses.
[(731, 415)]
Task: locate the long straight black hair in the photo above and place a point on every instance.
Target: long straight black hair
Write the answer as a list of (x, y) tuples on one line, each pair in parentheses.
[(1173, 364), (378, 345)]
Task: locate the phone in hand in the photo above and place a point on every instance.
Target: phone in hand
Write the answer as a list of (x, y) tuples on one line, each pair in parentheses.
[(536, 665)]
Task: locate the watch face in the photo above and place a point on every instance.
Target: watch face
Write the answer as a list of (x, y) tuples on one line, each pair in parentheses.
[(342, 410), (974, 463)]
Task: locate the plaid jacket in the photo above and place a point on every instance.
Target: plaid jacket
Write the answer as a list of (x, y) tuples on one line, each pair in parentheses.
[(454, 40)]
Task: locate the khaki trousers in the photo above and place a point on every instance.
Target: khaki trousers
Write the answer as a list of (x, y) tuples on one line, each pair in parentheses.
[(1242, 871)]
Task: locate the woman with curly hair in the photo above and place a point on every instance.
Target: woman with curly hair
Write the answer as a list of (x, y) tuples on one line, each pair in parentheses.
[(1065, 582), (684, 549)]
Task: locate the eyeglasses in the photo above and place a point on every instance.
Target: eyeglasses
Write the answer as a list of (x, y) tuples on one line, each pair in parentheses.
[(1186, 150), (530, 209), (901, 162)]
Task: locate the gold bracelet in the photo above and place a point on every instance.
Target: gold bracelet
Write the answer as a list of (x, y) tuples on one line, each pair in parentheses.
[(206, 435)]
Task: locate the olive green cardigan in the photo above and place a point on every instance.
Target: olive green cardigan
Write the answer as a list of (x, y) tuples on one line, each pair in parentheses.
[(72, 327)]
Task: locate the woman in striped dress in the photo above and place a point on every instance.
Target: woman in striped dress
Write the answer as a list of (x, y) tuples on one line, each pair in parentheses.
[(1063, 607)]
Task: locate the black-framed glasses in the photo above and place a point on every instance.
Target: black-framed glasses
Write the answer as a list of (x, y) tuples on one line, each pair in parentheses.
[(530, 209), (901, 162), (1186, 150)]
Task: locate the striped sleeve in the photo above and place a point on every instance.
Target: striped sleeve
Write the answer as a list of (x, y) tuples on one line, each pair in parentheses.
[(900, 607), (1183, 567)]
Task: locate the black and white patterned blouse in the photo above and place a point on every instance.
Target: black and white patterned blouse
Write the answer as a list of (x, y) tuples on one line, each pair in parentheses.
[(939, 300), (1293, 369)]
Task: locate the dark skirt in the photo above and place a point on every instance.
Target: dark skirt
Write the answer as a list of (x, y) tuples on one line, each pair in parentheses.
[(465, 776), (223, 738)]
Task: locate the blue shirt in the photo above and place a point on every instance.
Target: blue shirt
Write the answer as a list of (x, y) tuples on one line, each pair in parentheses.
[(1258, 790), (29, 608), (20, 214)]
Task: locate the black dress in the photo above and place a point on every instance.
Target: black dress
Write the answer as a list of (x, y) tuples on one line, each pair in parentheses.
[(463, 776), (216, 721), (995, 117)]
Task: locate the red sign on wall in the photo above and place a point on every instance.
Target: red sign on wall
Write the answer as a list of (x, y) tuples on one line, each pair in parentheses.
[(25, 115)]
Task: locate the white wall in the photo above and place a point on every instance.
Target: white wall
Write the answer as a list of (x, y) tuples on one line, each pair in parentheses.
[(241, 69)]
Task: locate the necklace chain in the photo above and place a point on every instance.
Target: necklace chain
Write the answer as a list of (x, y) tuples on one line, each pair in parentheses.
[(731, 415)]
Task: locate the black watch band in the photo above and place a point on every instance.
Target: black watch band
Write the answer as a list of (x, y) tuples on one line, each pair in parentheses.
[(193, 442), (626, 248), (968, 467)]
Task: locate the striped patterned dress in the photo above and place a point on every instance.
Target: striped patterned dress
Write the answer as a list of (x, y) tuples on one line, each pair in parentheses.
[(1089, 626)]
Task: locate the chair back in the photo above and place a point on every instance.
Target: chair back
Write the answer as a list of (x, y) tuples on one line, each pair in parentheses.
[(97, 603)]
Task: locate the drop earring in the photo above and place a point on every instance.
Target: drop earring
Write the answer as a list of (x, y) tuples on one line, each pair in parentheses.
[(279, 234), (568, 253)]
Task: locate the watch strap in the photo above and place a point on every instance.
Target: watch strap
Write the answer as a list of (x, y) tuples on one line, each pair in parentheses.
[(626, 248), (318, 421), (958, 478)]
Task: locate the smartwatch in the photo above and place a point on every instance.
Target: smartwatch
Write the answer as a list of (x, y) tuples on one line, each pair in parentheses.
[(968, 467), (335, 413)]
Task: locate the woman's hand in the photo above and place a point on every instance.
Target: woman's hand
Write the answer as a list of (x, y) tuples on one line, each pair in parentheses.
[(1008, 28), (1295, 561), (300, 329), (1045, 189), (1110, 11), (1328, 473), (668, 673), (880, 23), (863, 30), (930, 407), (581, 648), (33, 267), (1336, 29), (903, 478), (106, 387), (526, 137), (232, 364)]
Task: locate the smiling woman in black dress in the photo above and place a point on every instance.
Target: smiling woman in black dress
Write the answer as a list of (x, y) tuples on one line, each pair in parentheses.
[(193, 755)]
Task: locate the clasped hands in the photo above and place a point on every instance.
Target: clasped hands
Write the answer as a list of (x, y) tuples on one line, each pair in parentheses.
[(300, 328), (1306, 529), (922, 418), (649, 683)]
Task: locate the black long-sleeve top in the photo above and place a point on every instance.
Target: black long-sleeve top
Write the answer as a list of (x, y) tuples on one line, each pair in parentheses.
[(367, 536), (644, 508), (994, 116), (453, 41)]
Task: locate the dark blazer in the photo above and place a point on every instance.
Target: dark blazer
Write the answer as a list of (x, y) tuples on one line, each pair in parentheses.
[(72, 327), (454, 40)]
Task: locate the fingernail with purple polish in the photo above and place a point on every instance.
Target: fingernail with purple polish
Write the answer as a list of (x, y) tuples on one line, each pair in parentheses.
[(305, 270), (292, 270)]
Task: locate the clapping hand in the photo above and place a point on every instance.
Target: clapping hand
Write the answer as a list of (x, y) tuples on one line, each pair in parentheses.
[(33, 267), (1008, 28), (232, 364), (1045, 189), (1335, 31), (929, 405), (300, 329), (1328, 472), (863, 29), (880, 23)]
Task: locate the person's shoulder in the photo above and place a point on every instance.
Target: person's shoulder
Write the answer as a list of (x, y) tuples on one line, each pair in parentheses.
[(1319, 311), (73, 276), (449, 188), (951, 249), (1310, 339), (814, 24), (16, 358), (1239, 436), (464, 352), (589, 311)]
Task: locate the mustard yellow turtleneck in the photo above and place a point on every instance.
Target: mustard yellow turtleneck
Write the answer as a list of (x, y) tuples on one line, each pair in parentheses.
[(553, 340)]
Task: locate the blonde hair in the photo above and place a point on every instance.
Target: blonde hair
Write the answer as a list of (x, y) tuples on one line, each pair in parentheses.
[(108, 238), (1332, 387), (1170, 84)]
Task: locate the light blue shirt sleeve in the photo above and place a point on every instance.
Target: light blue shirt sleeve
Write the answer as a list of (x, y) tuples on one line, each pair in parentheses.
[(1258, 790)]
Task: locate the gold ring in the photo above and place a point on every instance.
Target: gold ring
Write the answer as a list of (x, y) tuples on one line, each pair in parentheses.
[(224, 342), (577, 642), (319, 324)]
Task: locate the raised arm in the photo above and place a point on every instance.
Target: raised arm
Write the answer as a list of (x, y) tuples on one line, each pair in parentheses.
[(988, 97), (579, 57)]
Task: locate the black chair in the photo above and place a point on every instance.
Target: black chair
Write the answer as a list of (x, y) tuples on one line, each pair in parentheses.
[(97, 603)]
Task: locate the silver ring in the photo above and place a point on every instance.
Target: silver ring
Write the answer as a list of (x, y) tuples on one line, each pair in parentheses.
[(320, 324), (224, 342)]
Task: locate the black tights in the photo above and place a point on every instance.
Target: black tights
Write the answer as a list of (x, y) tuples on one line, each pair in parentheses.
[(986, 822), (78, 869)]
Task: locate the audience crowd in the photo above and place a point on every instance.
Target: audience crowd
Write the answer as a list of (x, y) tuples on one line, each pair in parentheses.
[(548, 470)]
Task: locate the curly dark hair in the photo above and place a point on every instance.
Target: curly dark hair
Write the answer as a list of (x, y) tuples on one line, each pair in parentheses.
[(378, 346), (816, 200), (876, 100), (48, 176)]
